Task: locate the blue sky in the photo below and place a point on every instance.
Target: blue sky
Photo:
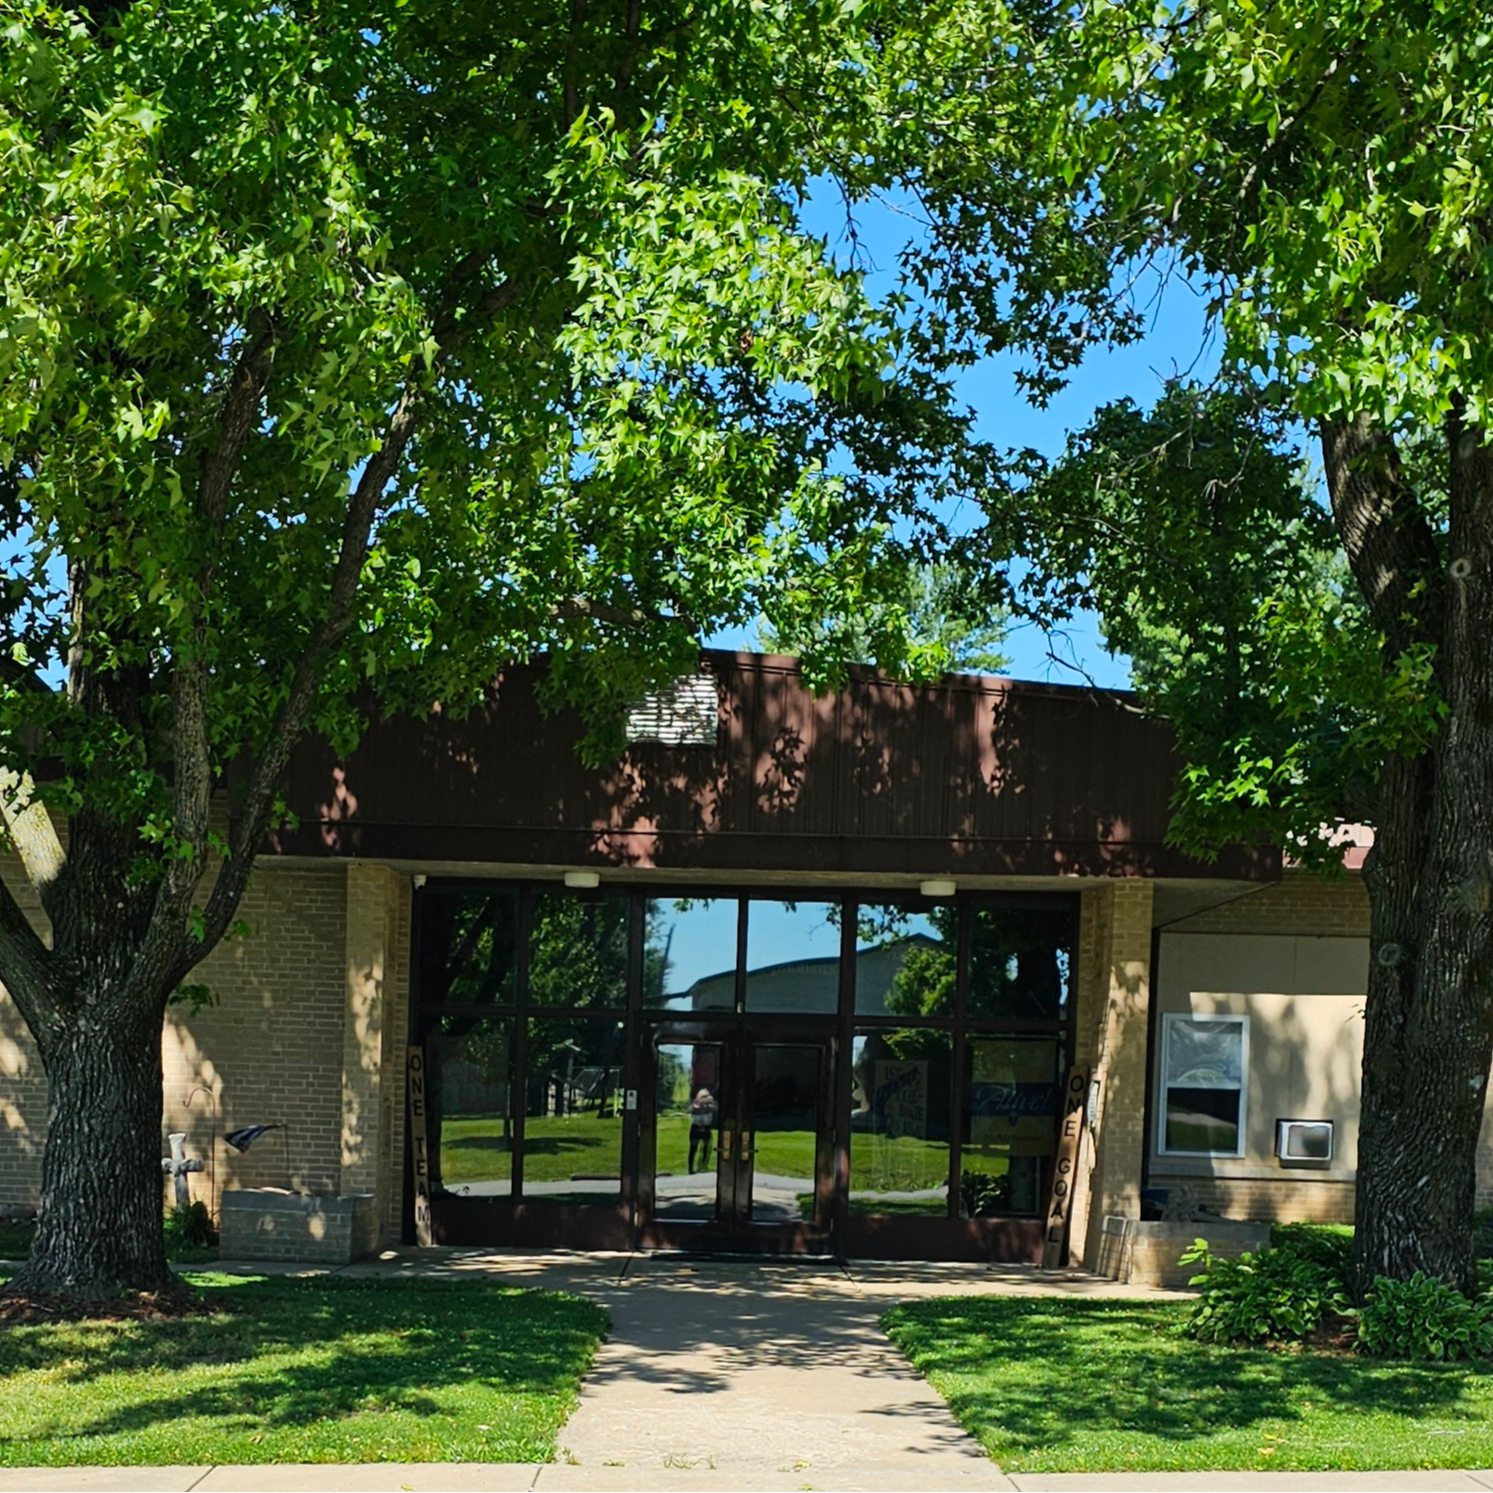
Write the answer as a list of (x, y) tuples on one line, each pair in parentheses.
[(1177, 343)]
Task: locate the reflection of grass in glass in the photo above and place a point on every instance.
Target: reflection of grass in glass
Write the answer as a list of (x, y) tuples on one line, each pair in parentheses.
[(1194, 1132), (673, 1145), (991, 1163), (783, 1153), (903, 1163), (556, 1148), (473, 1150)]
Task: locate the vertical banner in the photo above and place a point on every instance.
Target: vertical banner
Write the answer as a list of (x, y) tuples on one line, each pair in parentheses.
[(1065, 1173), (414, 1083)]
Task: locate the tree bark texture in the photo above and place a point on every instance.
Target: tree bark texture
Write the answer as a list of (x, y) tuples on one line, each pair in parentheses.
[(99, 1231), (1428, 1039)]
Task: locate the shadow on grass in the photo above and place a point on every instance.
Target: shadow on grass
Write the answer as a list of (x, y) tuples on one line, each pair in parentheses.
[(1028, 1376), (477, 1143), (295, 1353)]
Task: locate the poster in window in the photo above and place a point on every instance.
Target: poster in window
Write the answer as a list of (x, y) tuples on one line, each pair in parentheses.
[(900, 1102), (1013, 1097)]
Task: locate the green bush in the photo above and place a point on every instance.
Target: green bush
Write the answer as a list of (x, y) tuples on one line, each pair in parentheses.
[(189, 1228), (1423, 1318), (1280, 1294), (1329, 1244), (982, 1194), (1482, 1235)]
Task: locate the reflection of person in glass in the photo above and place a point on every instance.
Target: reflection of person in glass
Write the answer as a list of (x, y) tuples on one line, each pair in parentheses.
[(701, 1125)]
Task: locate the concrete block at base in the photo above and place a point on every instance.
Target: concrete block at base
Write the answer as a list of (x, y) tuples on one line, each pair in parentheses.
[(1144, 1253), (263, 1223)]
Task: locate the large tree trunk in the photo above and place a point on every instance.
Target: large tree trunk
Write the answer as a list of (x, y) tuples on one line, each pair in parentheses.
[(1428, 1040), (100, 1225)]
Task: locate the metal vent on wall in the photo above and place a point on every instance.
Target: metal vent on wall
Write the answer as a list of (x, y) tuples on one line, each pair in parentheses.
[(687, 713)]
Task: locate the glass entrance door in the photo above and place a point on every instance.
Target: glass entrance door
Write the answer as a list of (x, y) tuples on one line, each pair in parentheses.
[(740, 1153)]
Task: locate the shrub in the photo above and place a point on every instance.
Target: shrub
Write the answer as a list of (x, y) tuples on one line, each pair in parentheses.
[(190, 1228), (982, 1194), (1482, 1235), (1279, 1294), (1329, 1244), (1423, 1318)]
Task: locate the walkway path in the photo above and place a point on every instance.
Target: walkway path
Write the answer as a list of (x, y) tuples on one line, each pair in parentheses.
[(735, 1375)]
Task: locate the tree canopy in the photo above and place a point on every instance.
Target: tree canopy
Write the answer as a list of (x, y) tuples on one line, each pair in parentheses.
[(351, 352), (1319, 172)]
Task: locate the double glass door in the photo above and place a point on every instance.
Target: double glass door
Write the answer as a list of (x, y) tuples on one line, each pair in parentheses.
[(737, 1143)]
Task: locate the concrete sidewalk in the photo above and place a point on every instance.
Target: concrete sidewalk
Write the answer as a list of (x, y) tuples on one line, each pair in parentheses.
[(467, 1477), (761, 1375)]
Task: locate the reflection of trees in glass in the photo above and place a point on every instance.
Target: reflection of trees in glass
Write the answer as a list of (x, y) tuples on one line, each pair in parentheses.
[(574, 1065), (925, 980), (578, 952), (673, 1082), (577, 961), (1018, 963), (468, 956)]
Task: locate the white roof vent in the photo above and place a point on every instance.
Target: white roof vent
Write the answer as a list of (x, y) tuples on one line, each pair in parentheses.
[(687, 713)]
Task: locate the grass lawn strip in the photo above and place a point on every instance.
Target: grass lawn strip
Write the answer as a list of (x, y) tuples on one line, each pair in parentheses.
[(309, 1370), (1110, 1386)]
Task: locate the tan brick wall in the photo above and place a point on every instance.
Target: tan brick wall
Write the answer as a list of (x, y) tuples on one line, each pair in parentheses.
[(374, 1035), (270, 1050), (1273, 1200), (1114, 988), (308, 1027), (1302, 904), (23, 1085)]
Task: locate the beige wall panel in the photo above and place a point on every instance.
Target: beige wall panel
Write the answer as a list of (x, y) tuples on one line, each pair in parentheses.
[(1304, 999)]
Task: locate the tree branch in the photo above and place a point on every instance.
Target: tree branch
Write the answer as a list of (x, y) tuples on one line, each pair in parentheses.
[(1388, 539), (31, 829), (579, 607), (295, 711), (572, 49), (192, 784)]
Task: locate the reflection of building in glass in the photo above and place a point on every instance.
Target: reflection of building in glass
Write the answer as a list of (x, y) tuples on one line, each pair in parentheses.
[(806, 985)]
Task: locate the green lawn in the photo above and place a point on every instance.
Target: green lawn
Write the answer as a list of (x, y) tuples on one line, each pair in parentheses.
[(311, 1370), (1109, 1386)]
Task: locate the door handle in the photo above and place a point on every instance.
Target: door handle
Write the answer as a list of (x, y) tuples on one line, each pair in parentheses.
[(725, 1145), (748, 1150)]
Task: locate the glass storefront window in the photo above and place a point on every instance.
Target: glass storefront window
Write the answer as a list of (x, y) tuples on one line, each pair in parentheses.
[(578, 951), (899, 1122), (793, 957), (1012, 1091), (1019, 963), (469, 1105), (689, 953), (737, 1120), (906, 963), (573, 1112), (469, 947)]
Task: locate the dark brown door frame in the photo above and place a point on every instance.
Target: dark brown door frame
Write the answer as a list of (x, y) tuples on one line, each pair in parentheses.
[(733, 1231)]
